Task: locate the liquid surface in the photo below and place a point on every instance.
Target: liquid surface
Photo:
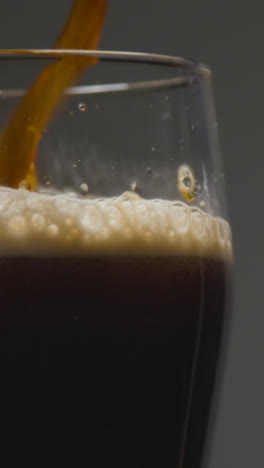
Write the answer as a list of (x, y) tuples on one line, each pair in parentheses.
[(34, 224)]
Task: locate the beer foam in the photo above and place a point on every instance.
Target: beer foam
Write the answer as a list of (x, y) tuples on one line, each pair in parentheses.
[(38, 224)]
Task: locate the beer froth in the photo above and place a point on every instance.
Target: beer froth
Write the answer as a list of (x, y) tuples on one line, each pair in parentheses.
[(44, 224)]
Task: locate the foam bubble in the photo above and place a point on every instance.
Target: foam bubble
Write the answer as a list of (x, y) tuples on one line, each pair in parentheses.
[(47, 224)]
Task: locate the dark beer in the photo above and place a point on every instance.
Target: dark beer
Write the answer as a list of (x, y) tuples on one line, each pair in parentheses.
[(110, 331)]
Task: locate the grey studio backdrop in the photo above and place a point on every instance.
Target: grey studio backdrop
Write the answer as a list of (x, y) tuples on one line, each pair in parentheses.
[(228, 35)]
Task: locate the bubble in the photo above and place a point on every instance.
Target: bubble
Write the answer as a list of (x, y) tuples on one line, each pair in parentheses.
[(17, 225), (142, 213), (74, 208), (197, 222), (179, 216), (86, 238), (33, 203), (127, 233), (6, 201), (172, 236), (82, 107), (115, 218), (61, 205), (160, 214), (53, 230), (148, 236), (91, 219), (202, 203), (103, 234), (74, 233), (37, 221), (84, 188), (186, 183), (24, 184), (153, 149), (149, 170), (68, 222)]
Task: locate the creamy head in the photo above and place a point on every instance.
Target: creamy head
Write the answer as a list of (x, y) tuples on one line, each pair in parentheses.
[(37, 224)]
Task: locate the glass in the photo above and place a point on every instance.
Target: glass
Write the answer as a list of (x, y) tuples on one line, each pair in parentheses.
[(115, 272)]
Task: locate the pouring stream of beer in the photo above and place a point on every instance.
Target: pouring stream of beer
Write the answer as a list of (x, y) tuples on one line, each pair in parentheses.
[(19, 140)]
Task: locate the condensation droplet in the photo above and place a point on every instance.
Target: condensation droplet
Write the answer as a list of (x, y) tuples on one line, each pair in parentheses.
[(186, 183), (153, 149), (202, 203), (84, 188), (149, 170), (82, 107)]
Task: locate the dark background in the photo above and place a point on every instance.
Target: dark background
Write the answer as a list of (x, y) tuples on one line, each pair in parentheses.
[(228, 35)]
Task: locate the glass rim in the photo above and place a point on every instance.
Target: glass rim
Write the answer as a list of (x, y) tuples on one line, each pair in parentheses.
[(108, 55)]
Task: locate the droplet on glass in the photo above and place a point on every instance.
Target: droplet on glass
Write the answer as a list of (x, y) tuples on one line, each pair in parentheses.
[(84, 188), (82, 107), (149, 170), (193, 128), (133, 186), (186, 183)]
